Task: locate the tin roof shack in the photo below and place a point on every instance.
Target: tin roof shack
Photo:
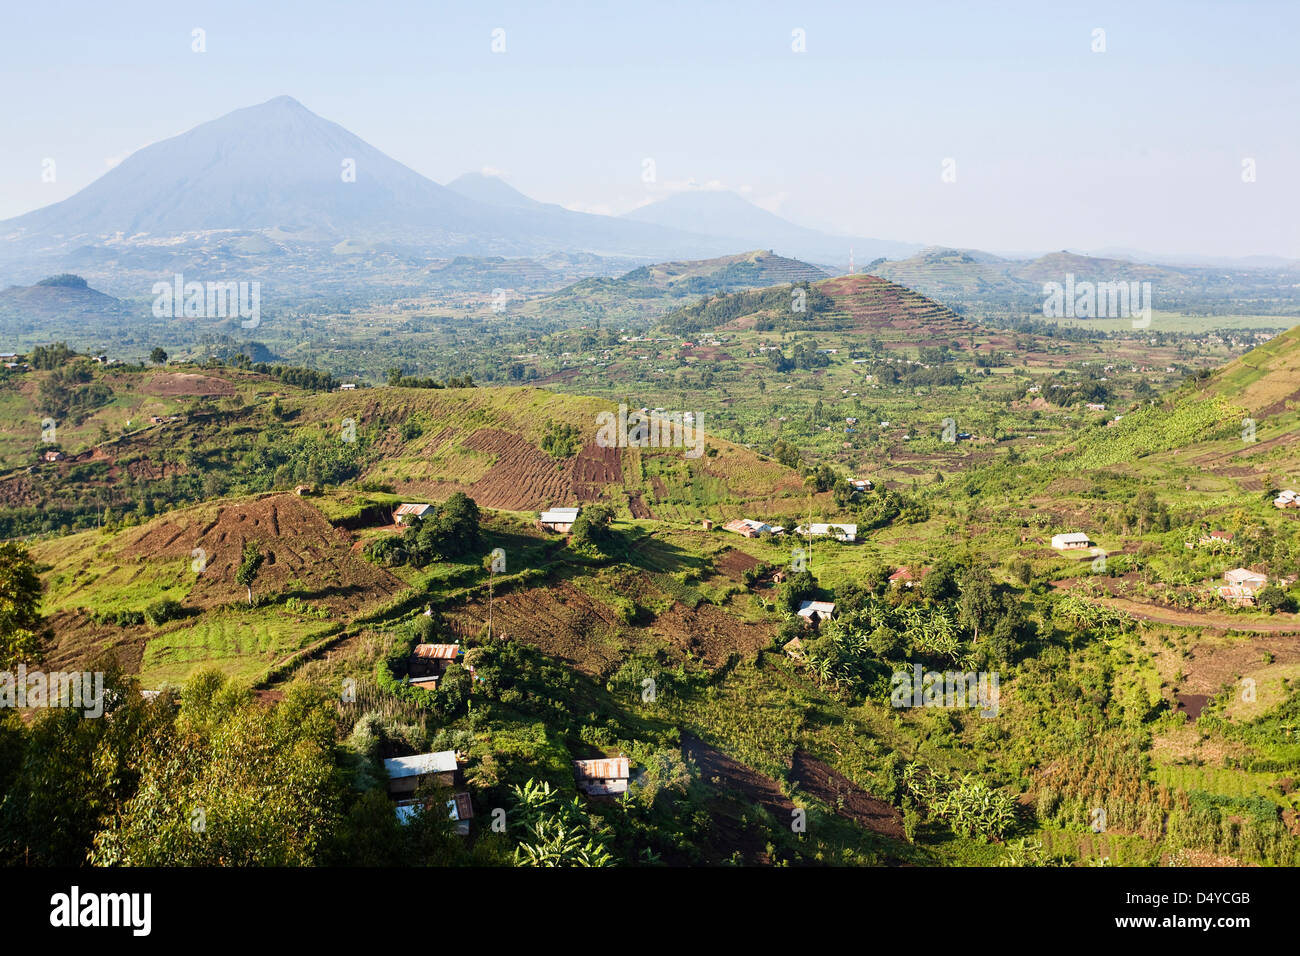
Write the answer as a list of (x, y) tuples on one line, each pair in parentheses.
[(1237, 595), (430, 660), (751, 528), (409, 510), (408, 774), (814, 612), (559, 519), (1071, 541), (907, 577), (460, 810), (602, 778)]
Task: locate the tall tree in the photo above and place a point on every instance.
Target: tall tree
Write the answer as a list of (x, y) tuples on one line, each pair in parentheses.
[(249, 566), (20, 596)]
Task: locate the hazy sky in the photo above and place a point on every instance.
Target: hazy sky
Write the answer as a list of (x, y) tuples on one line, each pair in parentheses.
[(1055, 146)]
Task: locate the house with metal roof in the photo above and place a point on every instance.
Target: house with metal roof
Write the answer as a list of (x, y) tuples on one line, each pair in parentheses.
[(408, 510), (1071, 541), (431, 659), (605, 777), (407, 774), (1245, 578), (816, 610), (906, 577), (838, 530), (460, 810), (559, 519)]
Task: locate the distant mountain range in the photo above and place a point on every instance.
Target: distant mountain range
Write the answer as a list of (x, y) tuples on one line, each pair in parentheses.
[(279, 172), (728, 214)]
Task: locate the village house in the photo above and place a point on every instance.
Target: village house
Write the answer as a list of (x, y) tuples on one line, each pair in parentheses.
[(601, 778), (301, 490), (706, 524), (1071, 541), (460, 810), (860, 484), (1287, 499), (750, 528), (816, 611), (559, 519), (348, 387), (431, 660), (408, 774), (1237, 595), (906, 577), (409, 511), (794, 648), (842, 532), (1244, 578), (52, 456), (1216, 538)]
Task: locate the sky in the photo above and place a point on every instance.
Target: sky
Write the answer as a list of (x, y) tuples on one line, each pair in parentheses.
[(1052, 135)]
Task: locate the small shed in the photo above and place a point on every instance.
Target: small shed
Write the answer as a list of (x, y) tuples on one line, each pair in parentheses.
[(559, 519), (406, 774), (605, 777), (431, 659), (814, 611), (408, 511)]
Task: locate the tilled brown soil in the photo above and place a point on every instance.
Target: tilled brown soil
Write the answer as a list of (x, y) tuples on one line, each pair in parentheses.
[(849, 800)]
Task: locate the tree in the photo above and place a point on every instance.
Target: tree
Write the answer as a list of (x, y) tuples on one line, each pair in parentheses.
[(20, 595), (249, 566), (158, 357), (591, 531)]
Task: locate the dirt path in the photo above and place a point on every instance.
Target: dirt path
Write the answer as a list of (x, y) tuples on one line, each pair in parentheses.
[(1212, 620)]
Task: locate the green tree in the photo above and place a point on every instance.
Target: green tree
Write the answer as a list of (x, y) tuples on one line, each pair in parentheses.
[(158, 357), (20, 596), (249, 566)]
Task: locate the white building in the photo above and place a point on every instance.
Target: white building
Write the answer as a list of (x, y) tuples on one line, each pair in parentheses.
[(842, 532), (1070, 541), (559, 519)]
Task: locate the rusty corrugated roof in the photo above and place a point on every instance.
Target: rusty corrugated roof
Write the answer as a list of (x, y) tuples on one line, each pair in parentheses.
[(609, 768), (437, 652)]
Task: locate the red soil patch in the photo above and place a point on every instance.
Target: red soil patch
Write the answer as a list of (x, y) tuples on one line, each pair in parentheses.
[(525, 478), (76, 641), (735, 563), (560, 619), (306, 556), (710, 633), (180, 384), (724, 773), (849, 800)]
